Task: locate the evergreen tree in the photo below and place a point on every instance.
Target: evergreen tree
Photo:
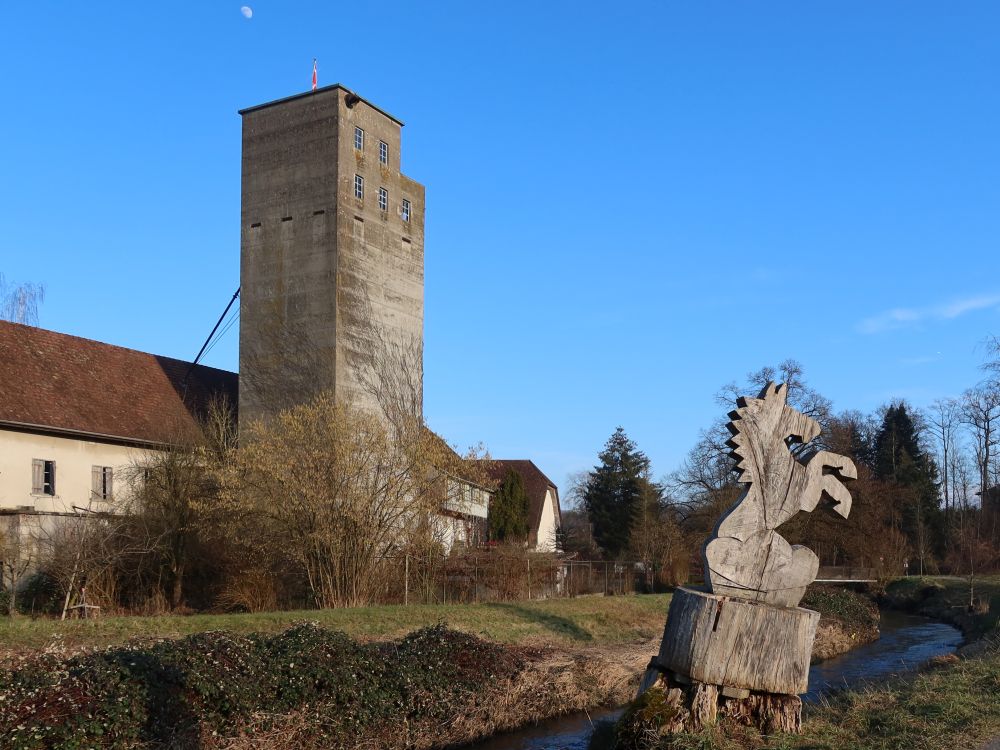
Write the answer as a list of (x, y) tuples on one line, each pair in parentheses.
[(899, 458), (614, 492), (508, 512)]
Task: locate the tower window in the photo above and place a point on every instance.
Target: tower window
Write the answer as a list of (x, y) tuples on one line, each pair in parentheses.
[(406, 210), (359, 139), (383, 152), (383, 199), (43, 477), (359, 186)]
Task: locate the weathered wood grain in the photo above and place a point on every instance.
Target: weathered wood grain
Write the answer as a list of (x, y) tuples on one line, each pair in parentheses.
[(737, 643), (746, 557)]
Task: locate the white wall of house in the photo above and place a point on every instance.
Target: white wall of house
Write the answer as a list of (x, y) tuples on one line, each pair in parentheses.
[(547, 524), (74, 462), (468, 500)]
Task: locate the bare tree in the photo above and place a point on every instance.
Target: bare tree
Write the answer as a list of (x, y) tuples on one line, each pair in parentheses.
[(172, 490), (334, 490), (19, 302), (942, 421), (16, 557), (981, 414)]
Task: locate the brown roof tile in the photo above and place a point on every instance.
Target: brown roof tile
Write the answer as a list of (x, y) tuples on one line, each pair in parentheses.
[(535, 484), (65, 383)]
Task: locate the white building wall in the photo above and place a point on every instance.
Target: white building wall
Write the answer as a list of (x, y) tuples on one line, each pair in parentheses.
[(547, 524), (74, 458)]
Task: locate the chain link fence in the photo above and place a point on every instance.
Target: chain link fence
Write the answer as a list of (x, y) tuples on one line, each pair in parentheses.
[(497, 576)]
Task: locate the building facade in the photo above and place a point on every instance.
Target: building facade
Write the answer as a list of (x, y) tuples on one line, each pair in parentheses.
[(78, 418), (331, 254)]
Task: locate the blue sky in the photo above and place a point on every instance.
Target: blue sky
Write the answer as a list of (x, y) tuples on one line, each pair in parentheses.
[(628, 204)]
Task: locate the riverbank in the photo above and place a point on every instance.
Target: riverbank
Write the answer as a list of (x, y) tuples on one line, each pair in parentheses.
[(548, 658), (306, 687), (847, 620), (949, 704)]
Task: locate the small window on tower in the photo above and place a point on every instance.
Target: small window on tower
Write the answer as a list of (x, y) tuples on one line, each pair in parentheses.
[(383, 152), (383, 199), (406, 210), (359, 186), (359, 139)]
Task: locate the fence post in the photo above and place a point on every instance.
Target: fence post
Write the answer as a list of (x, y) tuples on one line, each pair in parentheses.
[(529, 578), (406, 581), (605, 577)]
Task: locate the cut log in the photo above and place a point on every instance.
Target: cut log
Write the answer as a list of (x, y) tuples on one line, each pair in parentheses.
[(738, 643)]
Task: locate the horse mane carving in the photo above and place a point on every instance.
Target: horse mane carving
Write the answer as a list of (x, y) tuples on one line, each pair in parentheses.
[(745, 557)]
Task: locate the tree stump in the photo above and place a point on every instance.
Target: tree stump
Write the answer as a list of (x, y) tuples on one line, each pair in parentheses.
[(725, 659), (738, 643), (669, 706)]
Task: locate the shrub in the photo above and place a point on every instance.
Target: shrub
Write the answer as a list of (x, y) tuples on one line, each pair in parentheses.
[(172, 691)]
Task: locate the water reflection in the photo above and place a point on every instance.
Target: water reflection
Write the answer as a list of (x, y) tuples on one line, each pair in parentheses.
[(906, 642)]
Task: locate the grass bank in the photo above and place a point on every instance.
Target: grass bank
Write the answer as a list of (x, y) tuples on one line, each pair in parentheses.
[(554, 622), (848, 619), (949, 599)]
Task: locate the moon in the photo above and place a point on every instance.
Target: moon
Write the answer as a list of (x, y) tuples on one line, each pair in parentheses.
[(247, 11)]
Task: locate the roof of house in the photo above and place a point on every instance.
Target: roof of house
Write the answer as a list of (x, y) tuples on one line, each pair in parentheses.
[(536, 485), (58, 383)]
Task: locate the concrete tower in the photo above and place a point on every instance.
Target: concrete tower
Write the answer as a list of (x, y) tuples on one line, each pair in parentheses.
[(331, 253)]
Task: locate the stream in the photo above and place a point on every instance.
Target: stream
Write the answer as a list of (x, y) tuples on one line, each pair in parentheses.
[(906, 642)]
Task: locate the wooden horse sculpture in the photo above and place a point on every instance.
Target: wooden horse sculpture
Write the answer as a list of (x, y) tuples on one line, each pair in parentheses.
[(740, 650), (745, 557)]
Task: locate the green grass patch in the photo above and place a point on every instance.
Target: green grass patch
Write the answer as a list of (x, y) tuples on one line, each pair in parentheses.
[(558, 622)]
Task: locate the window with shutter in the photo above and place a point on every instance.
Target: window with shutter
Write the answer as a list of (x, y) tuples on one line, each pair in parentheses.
[(43, 477), (100, 482), (37, 476)]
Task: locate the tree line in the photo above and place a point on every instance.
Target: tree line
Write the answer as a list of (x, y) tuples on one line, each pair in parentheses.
[(927, 497)]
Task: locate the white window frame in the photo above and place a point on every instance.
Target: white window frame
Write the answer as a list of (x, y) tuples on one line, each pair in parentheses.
[(383, 152), (406, 210), (359, 138), (359, 187), (383, 199)]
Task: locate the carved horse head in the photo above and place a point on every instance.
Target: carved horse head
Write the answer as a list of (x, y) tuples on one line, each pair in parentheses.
[(770, 419)]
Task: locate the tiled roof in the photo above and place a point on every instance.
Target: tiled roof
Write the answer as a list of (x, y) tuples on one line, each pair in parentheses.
[(59, 382), (535, 484)]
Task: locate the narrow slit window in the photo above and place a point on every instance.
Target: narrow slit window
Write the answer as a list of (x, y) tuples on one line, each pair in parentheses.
[(383, 199), (406, 210), (383, 152), (359, 186), (359, 139)]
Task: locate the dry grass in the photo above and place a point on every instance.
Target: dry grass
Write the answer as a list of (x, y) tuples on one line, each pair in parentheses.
[(553, 622), (554, 683)]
